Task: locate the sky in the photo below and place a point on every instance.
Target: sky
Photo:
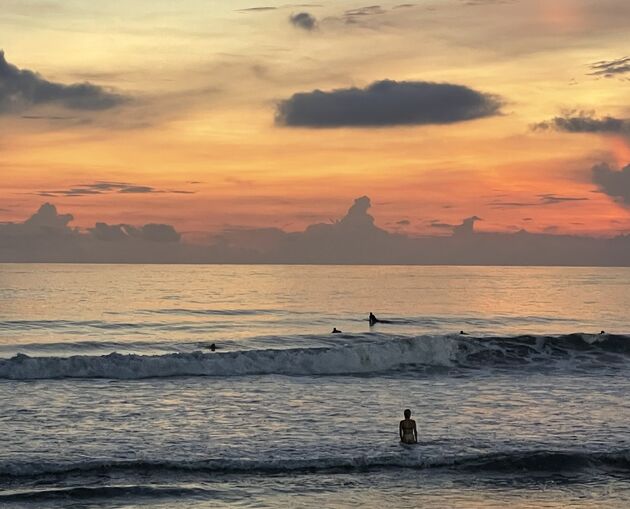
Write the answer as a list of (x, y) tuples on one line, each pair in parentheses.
[(211, 117)]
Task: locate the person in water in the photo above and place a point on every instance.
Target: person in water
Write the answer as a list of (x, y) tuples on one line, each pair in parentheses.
[(373, 319), (336, 331), (407, 429)]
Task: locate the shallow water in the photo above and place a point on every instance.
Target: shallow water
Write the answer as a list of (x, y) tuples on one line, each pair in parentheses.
[(529, 409)]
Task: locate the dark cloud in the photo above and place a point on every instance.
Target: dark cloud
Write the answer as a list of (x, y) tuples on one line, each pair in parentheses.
[(611, 68), (584, 122), (614, 183), (541, 200), (303, 20), (106, 187), (47, 217), (257, 9), (21, 89), (47, 117), (387, 103), (403, 222), (467, 227), (551, 199)]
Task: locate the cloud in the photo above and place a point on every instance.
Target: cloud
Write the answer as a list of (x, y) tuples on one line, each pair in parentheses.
[(615, 184), (47, 217), (21, 89), (542, 199), (123, 232), (354, 239), (551, 199), (106, 187), (303, 20), (387, 103), (584, 122), (257, 9), (467, 227), (48, 236), (610, 68)]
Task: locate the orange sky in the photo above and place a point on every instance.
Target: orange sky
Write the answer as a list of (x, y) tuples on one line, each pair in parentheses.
[(201, 81)]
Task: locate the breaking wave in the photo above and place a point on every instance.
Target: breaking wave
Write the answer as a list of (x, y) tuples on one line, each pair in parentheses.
[(360, 357), (498, 462)]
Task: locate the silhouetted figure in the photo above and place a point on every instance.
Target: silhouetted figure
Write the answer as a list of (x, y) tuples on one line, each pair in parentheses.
[(407, 429), (336, 331), (603, 332), (372, 319), (462, 333), (213, 347)]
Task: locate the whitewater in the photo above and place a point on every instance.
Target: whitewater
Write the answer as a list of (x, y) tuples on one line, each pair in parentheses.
[(111, 396)]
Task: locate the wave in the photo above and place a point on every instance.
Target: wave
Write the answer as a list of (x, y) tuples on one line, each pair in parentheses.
[(509, 462), (348, 357), (102, 492)]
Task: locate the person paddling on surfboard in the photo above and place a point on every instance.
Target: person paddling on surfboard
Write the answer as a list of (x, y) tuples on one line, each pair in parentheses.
[(372, 319), (407, 429)]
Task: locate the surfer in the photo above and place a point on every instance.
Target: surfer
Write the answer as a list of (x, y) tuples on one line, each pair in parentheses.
[(372, 319), (336, 331), (407, 429), (212, 347), (462, 333)]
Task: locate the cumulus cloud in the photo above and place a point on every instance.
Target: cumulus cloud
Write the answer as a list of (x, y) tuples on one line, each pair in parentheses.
[(387, 103), (47, 236), (614, 183), (584, 122), (303, 20), (21, 89), (48, 217), (611, 68)]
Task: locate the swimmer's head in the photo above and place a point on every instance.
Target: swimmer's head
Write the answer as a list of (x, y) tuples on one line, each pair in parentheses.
[(407, 413)]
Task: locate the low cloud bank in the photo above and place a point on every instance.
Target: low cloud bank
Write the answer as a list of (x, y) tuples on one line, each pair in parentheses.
[(354, 239)]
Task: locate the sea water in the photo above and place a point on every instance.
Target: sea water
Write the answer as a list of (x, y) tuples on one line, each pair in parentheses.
[(110, 396)]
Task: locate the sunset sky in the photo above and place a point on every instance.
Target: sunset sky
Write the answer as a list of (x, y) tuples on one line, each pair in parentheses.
[(202, 113)]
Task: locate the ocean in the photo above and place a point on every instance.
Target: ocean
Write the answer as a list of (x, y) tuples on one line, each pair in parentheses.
[(112, 398)]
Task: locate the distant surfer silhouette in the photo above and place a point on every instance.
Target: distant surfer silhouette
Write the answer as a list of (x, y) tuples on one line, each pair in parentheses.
[(463, 333), (407, 429), (212, 347), (336, 331), (372, 319), (603, 332)]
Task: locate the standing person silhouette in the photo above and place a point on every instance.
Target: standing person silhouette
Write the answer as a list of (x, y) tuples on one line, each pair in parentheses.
[(407, 429)]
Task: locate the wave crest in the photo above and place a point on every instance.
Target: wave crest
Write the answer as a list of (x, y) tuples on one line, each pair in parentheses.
[(380, 355)]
